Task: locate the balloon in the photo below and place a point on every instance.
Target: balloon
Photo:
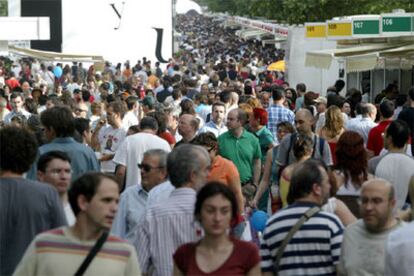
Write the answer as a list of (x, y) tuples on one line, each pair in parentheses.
[(258, 220), (57, 71)]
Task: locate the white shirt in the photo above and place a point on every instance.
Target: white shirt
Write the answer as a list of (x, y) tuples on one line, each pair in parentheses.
[(130, 119), (212, 127), (70, 217), (362, 125), (160, 193), (10, 115), (131, 152), (399, 252), (398, 169), (110, 139)]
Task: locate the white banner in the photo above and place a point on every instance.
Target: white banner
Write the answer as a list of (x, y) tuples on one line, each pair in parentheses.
[(118, 30)]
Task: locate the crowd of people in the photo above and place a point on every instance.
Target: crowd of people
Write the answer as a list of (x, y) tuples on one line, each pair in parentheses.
[(136, 169)]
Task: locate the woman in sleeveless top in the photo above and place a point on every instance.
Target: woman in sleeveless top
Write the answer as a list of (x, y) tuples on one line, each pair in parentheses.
[(333, 128), (216, 253)]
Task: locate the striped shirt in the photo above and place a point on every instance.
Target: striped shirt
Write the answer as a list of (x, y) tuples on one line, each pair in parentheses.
[(313, 250), (59, 252), (164, 228)]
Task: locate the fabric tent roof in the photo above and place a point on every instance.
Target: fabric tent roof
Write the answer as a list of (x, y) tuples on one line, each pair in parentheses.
[(359, 58), (54, 56)]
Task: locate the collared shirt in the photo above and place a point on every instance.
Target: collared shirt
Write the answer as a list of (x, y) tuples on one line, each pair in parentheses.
[(160, 193), (83, 159), (242, 151), (164, 228), (278, 114), (11, 114), (131, 208), (212, 127)]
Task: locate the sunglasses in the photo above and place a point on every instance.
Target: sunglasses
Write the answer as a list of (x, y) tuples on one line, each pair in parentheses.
[(147, 168)]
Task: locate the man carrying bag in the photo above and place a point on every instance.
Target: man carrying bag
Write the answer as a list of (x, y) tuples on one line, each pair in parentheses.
[(85, 248), (301, 239)]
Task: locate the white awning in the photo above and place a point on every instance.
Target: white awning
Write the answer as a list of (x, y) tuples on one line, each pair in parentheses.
[(360, 58), (54, 56), (252, 34)]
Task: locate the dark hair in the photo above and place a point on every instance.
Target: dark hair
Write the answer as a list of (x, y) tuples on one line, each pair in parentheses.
[(301, 87), (31, 105), (18, 149), (162, 120), (212, 189), (60, 119), (399, 132), (148, 123), (81, 125), (131, 101), (411, 93), (304, 176), (289, 127), (118, 107), (225, 96), (302, 146), (54, 99), (217, 103), (47, 157), (85, 95), (351, 157), (277, 93), (386, 109), (242, 115), (339, 85), (206, 139), (86, 185)]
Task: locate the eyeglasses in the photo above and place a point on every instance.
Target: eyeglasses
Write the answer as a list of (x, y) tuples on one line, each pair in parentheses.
[(147, 168)]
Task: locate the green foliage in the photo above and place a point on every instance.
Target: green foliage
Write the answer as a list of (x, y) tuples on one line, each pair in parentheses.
[(301, 11), (3, 8)]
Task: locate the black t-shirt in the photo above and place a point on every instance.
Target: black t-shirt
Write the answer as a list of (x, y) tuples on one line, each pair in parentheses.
[(407, 115)]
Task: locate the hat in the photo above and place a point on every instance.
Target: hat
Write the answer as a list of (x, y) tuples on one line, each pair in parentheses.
[(322, 100)]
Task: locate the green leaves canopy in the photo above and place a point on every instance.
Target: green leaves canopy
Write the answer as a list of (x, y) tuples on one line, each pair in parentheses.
[(301, 11)]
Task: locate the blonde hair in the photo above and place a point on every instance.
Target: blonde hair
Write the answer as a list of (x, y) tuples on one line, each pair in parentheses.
[(334, 123)]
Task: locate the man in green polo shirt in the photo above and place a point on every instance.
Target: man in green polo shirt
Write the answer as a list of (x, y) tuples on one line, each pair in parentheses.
[(241, 147)]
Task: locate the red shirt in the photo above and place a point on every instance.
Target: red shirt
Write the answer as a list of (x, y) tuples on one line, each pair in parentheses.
[(244, 257), (167, 137), (375, 139)]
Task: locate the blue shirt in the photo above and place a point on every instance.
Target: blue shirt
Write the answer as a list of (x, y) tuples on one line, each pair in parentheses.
[(278, 114), (132, 206), (82, 157)]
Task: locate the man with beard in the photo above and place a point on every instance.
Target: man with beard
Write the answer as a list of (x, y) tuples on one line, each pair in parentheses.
[(363, 247)]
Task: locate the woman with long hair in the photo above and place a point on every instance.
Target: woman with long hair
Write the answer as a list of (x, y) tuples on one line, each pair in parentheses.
[(351, 168), (217, 253), (333, 128)]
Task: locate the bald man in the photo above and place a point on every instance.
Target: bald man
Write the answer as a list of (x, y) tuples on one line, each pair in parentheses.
[(187, 128), (363, 246), (304, 121)]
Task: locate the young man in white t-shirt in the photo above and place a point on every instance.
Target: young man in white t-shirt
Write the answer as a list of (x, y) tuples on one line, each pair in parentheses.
[(106, 139)]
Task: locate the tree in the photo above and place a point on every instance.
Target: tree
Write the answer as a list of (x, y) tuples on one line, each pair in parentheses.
[(301, 11)]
